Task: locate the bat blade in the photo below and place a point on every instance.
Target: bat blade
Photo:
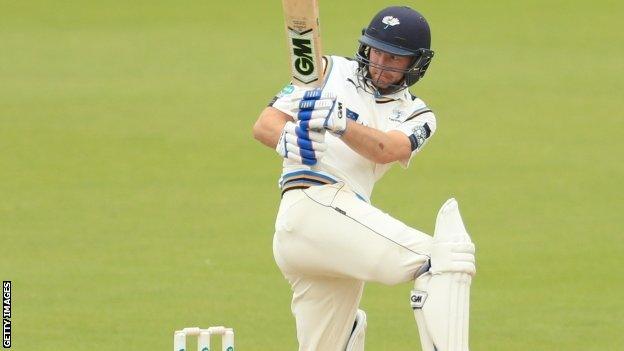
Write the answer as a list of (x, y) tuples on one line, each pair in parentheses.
[(304, 42)]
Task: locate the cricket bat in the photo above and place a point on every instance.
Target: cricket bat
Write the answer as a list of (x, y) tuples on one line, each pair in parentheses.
[(304, 42)]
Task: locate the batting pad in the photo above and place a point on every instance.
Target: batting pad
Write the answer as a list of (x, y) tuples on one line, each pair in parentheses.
[(440, 298)]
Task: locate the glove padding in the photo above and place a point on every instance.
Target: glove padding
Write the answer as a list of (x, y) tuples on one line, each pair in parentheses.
[(318, 110), (301, 144)]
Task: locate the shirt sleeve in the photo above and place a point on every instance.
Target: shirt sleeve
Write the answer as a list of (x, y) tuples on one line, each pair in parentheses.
[(283, 100), (419, 128)]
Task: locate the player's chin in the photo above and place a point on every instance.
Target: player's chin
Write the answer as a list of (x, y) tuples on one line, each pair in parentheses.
[(381, 84)]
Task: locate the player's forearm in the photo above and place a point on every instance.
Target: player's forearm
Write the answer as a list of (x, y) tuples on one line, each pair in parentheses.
[(269, 126), (375, 145)]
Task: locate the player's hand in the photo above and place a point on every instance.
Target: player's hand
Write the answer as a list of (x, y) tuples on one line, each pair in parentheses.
[(318, 110), (301, 144)]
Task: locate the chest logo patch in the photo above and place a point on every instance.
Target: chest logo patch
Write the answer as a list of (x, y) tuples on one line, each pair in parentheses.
[(397, 115)]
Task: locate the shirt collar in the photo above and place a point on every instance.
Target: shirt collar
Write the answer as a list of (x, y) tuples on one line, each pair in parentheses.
[(403, 95)]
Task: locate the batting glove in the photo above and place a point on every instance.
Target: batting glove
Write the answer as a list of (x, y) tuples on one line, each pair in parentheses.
[(301, 144), (318, 109)]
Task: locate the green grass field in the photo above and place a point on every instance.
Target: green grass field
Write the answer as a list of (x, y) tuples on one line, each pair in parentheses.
[(134, 199)]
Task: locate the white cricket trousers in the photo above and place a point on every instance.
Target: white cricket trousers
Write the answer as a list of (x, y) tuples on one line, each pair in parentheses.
[(328, 243)]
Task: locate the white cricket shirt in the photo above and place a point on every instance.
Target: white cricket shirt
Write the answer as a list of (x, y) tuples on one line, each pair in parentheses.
[(400, 111)]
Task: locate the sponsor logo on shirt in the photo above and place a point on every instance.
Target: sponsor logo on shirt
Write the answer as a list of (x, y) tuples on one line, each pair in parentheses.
[(286, 91)]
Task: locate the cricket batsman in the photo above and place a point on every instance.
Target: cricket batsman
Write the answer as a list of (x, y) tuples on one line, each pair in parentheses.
[(336, 142)]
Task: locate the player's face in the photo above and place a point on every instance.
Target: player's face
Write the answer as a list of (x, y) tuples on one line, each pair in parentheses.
[(383, 78)]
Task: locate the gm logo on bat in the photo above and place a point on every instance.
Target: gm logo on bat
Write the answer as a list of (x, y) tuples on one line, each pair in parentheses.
[(303, 56)]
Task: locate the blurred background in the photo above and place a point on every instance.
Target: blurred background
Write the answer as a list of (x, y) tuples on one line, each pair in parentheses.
[(135, 201)]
